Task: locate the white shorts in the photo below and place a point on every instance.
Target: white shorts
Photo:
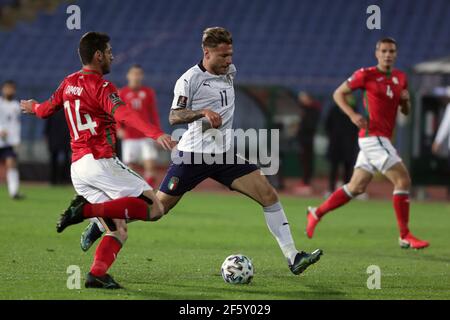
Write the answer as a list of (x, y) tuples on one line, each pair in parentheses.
[(105, 179), (137, 150), (376, 154)]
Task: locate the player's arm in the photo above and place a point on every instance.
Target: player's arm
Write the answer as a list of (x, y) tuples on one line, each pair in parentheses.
[(405, 102), (132, 119), (45, 109), (3, 132), (339, 97), (124, 114), (181, 116), (41, 110), (181, 111)]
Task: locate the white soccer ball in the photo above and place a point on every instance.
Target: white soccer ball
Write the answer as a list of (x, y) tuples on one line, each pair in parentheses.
[(237, 269)]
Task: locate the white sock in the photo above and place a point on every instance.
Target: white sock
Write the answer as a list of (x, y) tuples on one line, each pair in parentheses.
[(279, 227), (12, 179)]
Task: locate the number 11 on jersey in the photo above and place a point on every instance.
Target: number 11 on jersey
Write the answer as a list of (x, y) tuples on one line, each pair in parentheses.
[(89, 125), (223, 97)]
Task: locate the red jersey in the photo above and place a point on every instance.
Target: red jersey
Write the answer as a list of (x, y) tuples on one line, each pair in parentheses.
[(143, 101), (381, 98), (91, 105)]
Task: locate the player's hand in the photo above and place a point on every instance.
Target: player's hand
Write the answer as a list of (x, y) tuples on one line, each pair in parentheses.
[(435, 148), (213, 118), (166, 142), (404, 95), (359, 121), (27, 105), (405, 102)]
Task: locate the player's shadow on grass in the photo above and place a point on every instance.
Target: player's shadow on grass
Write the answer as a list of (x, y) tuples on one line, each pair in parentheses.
[(253, 291)]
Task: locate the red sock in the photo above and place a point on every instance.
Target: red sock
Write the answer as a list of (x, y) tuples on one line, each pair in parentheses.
[(337, 199), (401, 206), (123, 208), (105, 255)]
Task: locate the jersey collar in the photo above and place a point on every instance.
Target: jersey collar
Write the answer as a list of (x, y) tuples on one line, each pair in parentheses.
[(387, 73), (89, 71), (201, 66)]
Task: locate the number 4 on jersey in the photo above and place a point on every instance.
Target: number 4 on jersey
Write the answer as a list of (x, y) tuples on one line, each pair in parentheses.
[(389, 92), (89, 125)]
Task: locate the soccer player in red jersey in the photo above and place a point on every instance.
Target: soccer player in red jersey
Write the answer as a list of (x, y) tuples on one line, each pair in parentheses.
[(106, 187), (385, 90), (136, 147)]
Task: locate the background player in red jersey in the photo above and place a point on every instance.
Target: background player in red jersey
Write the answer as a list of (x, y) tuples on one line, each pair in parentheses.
[(106, 188), (136, 147), (385, 89)]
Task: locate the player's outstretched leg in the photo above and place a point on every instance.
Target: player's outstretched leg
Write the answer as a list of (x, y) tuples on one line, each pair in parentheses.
[(337, 199), (303, 260), (123, 208), (92, 233), (258, 188), (357, 185), (73, 214)]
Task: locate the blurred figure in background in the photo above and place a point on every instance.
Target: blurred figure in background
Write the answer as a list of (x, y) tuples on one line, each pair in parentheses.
[(441, 144), (136, 148), (342, 144), (10, 136), (58, 142), (310, 116)]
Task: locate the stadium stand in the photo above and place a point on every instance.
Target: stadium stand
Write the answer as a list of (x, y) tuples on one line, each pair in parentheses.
[(311, 45)]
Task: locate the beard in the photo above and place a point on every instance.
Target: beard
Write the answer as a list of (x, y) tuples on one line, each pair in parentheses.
[(106, 68), (9, 97)]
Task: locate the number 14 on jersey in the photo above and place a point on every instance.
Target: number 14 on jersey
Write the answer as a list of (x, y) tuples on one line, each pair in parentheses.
[(89, 125)]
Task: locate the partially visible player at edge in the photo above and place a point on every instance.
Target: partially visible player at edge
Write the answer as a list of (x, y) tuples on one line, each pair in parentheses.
[(106, 188), (10, 137), (204, 98), (385, 89)]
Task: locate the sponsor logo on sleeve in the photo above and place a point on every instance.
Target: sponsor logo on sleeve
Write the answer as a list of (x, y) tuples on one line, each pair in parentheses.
[(182, 101)]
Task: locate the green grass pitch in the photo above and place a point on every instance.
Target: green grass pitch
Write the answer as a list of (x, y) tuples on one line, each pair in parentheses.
[(179, 257)]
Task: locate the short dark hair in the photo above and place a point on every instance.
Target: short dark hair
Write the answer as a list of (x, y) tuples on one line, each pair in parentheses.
[(89, 44), (212, 37), (386, 40), (9, 83), (135, 65)]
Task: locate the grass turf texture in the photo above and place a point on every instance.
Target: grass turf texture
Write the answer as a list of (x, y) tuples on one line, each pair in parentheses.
[(179, 257)]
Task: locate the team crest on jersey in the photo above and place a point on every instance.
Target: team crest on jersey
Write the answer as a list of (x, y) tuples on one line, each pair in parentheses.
[(142, 94), (173, 183), (182, 101), (395, 80), (115, 99)]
